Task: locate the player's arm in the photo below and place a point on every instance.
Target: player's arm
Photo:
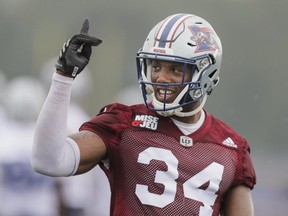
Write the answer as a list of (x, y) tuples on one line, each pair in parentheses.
[(92, 149), (238, 202), (54, 153)]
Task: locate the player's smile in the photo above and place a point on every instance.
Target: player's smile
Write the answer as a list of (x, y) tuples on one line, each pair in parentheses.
[(167, 95), (164, 95)]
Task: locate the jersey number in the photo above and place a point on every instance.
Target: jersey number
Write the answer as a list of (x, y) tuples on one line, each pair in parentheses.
[(212, 174)]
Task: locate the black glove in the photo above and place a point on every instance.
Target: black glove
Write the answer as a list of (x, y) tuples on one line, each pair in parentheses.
[(76, 52)]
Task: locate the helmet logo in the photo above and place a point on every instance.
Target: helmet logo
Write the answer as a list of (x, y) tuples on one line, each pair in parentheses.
[(203, 37)]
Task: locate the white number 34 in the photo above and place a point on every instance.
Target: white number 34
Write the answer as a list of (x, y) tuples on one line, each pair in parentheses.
[(212, 173)]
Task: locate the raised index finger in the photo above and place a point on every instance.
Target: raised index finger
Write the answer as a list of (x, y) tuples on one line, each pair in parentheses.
[(85, 27)]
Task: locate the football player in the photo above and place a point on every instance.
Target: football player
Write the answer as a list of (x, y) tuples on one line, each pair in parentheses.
[(23, 191), (167, 156)]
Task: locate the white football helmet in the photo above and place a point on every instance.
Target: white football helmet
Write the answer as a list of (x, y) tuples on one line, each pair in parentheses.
[(24, 98), (187, 39)]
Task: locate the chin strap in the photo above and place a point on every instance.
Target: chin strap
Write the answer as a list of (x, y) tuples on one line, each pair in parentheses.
[(178, 111), (193, 112)]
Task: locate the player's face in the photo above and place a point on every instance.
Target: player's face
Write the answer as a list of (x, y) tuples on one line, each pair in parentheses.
[(166, 72)]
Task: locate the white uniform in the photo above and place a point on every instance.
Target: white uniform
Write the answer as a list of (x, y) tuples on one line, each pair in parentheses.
[(23, 191)]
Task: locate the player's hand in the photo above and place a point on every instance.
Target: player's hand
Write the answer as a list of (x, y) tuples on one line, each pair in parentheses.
[(76, 52)]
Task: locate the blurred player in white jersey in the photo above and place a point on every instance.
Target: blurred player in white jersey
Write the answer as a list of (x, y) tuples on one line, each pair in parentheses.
[(23, 191)]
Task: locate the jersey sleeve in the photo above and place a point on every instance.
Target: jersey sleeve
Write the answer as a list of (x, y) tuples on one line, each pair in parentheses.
[(244, 169), (109, 123), (245, 173)]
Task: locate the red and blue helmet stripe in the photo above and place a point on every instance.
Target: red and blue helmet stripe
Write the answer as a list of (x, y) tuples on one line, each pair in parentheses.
[(166, 33)]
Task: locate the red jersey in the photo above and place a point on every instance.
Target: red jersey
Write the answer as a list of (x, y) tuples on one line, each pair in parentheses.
[(154, 169)]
